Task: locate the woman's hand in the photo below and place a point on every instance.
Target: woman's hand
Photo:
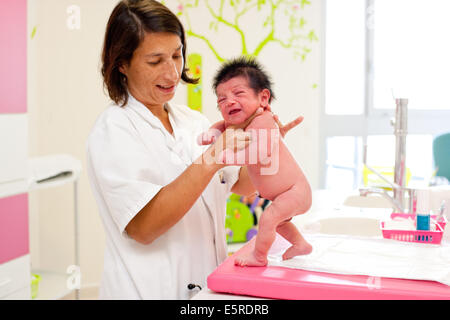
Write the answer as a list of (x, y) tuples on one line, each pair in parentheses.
[(234, 138), (285, 128), (289, 126)]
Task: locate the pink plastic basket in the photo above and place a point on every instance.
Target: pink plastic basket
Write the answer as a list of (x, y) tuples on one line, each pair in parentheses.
[(419, 236)]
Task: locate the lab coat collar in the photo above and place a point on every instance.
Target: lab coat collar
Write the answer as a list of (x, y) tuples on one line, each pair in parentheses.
[(175, 116), (143, 111)]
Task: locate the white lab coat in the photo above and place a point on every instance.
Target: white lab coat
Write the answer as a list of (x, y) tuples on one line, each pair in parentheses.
[(130, 157)]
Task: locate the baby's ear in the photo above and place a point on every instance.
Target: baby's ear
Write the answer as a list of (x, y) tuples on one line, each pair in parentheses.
[(264, 96)]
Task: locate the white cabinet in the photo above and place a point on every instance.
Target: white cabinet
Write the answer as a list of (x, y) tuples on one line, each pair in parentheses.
[(15, 278), (15, 273), (14, 241)]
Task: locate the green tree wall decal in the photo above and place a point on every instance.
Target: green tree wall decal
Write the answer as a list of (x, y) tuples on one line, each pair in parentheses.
[(229, 13)]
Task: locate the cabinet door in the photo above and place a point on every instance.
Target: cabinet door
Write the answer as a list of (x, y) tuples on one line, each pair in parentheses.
[(15, 279), (13, 56), (14, 238)]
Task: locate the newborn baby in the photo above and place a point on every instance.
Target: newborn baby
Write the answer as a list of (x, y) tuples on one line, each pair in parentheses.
[(243, 88)]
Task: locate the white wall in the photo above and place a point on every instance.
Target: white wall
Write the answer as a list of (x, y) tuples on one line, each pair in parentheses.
[(65, 96)]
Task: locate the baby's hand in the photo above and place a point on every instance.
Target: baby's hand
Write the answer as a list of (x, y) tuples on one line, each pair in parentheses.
[(208, 137), (205, 138)]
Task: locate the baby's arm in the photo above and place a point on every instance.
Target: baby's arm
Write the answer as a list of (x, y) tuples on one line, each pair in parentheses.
[(211, 135)]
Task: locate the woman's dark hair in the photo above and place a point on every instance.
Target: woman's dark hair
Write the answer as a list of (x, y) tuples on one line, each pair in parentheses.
[(127, 26), (247, 67)]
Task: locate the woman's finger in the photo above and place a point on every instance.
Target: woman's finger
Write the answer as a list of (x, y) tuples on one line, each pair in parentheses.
[(277, 120), (294, 123), (285, 128)]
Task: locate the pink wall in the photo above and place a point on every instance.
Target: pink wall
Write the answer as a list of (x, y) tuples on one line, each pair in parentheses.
[(13, 56), (14, 239)]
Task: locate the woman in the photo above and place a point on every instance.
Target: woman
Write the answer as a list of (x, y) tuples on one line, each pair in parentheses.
[(161, 198)]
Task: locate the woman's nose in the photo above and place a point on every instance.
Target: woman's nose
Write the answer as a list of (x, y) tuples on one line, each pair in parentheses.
[(171, 71)]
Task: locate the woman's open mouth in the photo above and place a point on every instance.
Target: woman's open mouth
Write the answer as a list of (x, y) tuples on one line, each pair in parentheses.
[(166, 89)]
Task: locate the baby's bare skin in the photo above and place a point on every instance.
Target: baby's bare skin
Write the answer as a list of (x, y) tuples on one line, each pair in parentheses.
[(273, 171)]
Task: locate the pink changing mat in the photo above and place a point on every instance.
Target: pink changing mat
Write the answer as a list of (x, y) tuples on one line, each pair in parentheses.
[(296, 284)]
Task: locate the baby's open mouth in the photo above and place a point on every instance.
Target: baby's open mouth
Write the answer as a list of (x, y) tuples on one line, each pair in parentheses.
[(233, 111)]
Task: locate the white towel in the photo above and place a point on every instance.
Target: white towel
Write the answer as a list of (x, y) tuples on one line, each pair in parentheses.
[(371, 257), (52, 166)]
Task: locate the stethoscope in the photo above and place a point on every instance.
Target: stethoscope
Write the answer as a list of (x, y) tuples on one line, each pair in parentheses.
[(221, 178), (191, 286)]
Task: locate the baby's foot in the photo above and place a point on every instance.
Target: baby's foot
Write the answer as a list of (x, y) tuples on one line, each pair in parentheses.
[(249, 260), (299, 249)]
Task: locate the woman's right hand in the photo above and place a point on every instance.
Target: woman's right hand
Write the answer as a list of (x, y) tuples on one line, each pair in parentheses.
[(234, 138)]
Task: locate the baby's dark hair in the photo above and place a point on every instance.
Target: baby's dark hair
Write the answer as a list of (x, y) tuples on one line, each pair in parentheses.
[(246, 67)]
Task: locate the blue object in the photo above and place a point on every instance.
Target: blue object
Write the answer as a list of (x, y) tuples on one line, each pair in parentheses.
[(251, 233), (441, 155), (423, 221)]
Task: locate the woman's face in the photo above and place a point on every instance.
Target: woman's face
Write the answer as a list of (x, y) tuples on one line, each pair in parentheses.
[(155, 69), (237, 100)]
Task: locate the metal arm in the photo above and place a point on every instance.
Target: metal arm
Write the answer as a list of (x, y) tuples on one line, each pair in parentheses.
[(398, 186)]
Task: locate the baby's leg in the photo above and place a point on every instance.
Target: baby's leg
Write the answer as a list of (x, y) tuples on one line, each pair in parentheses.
[(264, 239), (282, 208), (299, 245)]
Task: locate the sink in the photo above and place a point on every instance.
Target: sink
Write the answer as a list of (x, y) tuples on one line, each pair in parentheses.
[(331, 214), (352, 226), (371, 201)]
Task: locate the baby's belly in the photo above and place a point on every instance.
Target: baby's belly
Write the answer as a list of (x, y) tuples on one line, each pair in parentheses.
[(276, 178)]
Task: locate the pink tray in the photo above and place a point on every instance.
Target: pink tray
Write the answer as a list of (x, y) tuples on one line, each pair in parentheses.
[(419, 236), (295, 284)]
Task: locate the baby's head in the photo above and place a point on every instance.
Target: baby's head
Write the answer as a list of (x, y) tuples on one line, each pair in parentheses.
[(241, 86)]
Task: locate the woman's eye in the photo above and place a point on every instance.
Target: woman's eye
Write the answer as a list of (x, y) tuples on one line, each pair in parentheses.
[(153, 63)]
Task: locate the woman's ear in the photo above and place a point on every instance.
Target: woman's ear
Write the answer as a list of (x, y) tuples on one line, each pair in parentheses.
[(123, 69), (264, 97)]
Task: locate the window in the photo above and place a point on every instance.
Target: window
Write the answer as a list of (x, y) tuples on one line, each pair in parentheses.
[(376, 51), (411, 53)]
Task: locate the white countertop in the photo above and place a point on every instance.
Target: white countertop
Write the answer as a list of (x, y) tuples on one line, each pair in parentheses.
[(207, 294)]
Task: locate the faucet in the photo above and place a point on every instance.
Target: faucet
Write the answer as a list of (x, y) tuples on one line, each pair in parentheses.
[(398, 186), (364, 192)]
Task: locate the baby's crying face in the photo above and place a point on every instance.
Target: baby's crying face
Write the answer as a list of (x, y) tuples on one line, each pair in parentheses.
[(237, 100)]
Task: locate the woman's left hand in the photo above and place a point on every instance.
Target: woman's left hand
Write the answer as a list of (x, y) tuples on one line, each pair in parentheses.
[(285, 128)]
